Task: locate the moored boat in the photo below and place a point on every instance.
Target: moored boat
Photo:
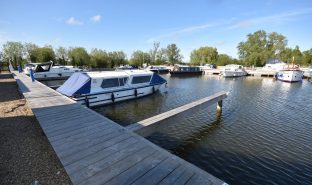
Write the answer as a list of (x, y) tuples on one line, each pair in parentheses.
[(49, 71), (185, 70), (233, 70), (290, 73), (100, 88), (158, 69)]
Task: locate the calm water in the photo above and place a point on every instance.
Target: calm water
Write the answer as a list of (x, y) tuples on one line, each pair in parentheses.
[(263, 136)]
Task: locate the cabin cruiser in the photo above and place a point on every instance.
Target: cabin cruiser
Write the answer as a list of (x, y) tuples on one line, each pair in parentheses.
[(207, 67), (233, 70), (158, 69), (185, 70), (274, 64), (29, 66), (48, 71), (100, 88), (290, 73)]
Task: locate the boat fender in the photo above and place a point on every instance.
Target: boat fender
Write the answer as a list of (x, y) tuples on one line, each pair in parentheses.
[(45, 76), (135, 92), (166, 85), (153, 89), (113, 97), (60, 74)]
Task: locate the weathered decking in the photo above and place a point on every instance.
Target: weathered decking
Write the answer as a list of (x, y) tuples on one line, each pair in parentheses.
[(96, 150)]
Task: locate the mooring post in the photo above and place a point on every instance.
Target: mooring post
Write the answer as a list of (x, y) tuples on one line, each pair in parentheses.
[(219, 106), (31, 74)]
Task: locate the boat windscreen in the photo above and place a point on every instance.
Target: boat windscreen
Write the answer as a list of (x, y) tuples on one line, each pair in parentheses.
[(78, 83)]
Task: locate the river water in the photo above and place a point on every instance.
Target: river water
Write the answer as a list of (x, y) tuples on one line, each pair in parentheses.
[(263, 136)]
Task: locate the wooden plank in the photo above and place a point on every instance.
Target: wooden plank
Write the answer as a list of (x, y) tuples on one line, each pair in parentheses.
[(184, 178), (86, 136), (155, 175), (155, 119), (174, 176), (80, 153), (72, 132), (138, 170), (122, 148), (108, 172)]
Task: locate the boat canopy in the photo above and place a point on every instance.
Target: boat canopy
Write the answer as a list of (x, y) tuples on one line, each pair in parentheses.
[(78, 83)]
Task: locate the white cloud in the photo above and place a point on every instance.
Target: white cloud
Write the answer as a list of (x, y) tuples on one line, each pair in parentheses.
[(96, 18), (276, 18), (73, 21)]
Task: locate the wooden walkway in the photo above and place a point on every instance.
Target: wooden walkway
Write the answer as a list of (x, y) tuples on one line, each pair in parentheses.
[(145, 127), (96, 150)]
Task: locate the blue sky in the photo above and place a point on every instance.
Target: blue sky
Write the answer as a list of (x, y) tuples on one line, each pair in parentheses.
[(131, 25)]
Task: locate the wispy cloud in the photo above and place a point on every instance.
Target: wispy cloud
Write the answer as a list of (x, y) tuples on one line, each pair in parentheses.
[(96, 18), (73, 21), (276, 18), (190, 29)]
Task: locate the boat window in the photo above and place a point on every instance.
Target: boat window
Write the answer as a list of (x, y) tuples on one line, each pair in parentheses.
[(123, 81), (141, 79), (107, 83)]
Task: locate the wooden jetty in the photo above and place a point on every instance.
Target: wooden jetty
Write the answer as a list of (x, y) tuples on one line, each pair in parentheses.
[(145, 127), (95, 150)]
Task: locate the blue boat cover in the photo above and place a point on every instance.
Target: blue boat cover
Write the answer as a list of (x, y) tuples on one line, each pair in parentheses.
[(78, 83), (156, 80)]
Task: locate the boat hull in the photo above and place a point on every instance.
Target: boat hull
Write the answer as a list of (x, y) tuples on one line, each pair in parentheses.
[(105, 98), (233, 73), (290, 75), (181, 73)]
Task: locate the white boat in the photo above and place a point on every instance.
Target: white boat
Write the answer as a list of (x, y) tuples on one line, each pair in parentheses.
[(158, 69), (29, 66), (274, 65), (100, 88), (233, 70), (207, 67), (48, 71), (290, 73)]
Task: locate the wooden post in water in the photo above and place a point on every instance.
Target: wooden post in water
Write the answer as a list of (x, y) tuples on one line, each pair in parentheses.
[(219, 106)]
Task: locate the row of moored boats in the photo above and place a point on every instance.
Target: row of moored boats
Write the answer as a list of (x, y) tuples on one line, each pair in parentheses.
[(105, 87)]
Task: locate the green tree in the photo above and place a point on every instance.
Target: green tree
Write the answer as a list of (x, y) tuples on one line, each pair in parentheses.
[(153, 52), (307, 57), (224, 59), (99, 58), (173, 54), (117, 58), (79, 56), (139, 58), (204, 55), (261, 46), (13, 52), (61, 54), (276, 44), (41, 55), (161, 57), (297, 55), (29, 48)]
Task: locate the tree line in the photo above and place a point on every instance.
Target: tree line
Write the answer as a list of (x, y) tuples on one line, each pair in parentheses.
[(255, 51)]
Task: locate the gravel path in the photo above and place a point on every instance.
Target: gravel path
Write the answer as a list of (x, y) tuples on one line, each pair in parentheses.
[(26, 157)]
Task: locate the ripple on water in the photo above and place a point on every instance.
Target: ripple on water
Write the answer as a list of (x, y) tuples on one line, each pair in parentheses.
[(263, 135)]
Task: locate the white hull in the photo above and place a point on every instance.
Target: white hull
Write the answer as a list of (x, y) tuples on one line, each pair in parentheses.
[(233, 73), (48, 75), (290, 75), (116, 96)]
